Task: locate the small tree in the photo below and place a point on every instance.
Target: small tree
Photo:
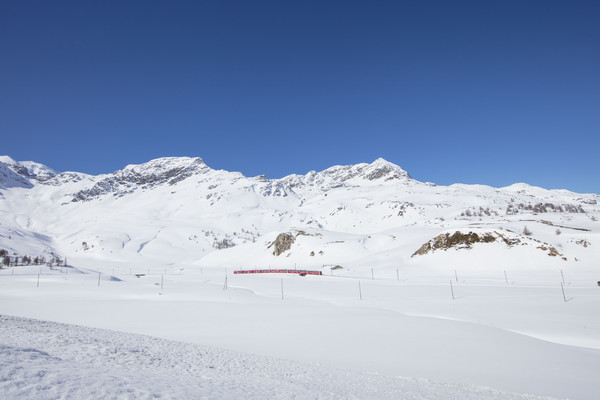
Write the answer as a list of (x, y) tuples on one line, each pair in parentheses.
[(558, 232), (526, 231), (6, 261)]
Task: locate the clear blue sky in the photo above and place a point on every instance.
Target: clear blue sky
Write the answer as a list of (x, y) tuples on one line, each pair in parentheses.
[(490, 92)]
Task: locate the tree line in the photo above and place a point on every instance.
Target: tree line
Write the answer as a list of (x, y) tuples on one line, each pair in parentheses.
[(15, 260)]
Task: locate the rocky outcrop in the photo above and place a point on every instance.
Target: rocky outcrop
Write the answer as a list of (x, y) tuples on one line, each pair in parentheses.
[(552, 252), (169, 170), (274, 188), (282, 243), (460, 240), (9, 178), (446, 241)]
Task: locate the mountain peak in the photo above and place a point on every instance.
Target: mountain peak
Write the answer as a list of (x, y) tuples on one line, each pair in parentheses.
[(21, 172), (7, 160), (38, 171), (166, 170), (382, 168), (382, 161), (378, 171), (164, 164)]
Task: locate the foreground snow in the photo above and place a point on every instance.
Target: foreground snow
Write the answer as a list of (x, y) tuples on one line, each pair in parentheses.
[(519, 337), (48, 360)]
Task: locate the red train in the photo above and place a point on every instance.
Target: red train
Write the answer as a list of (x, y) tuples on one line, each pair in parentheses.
[(301, 272)]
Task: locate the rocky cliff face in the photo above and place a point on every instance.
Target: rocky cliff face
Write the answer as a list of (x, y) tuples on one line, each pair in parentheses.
[(176, 169), (23, 173), (10, 178), (154, 173)]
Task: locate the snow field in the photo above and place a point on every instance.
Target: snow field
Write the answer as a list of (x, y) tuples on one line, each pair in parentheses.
[(48, 360), (518, 337)]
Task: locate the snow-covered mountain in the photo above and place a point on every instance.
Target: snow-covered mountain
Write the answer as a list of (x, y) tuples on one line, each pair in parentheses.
[(416, 277), (179, 210)]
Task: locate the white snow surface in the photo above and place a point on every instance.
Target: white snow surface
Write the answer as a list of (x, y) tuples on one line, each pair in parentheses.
[(152, 248), (48, 360)]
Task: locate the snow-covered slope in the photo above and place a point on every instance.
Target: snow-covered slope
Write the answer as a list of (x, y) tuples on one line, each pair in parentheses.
[(179, 210)]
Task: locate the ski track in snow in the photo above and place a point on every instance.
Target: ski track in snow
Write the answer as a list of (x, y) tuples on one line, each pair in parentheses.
[(49, 360)]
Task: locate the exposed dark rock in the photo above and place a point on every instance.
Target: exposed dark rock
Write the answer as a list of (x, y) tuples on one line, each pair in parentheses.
[(276, 189), (552, 252), (379, 173), (508, 241), (149, 175), (446, 241), (282, 243), (583, 243), (461, 240)]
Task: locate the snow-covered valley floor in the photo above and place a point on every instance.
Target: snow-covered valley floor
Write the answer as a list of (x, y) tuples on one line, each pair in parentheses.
[(48, 360), (176, 333)]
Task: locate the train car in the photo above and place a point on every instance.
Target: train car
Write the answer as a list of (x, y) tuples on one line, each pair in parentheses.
[(301, 272)]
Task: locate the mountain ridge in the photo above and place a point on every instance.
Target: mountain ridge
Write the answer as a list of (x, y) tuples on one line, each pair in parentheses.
[(374, 171), (179, 208)]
